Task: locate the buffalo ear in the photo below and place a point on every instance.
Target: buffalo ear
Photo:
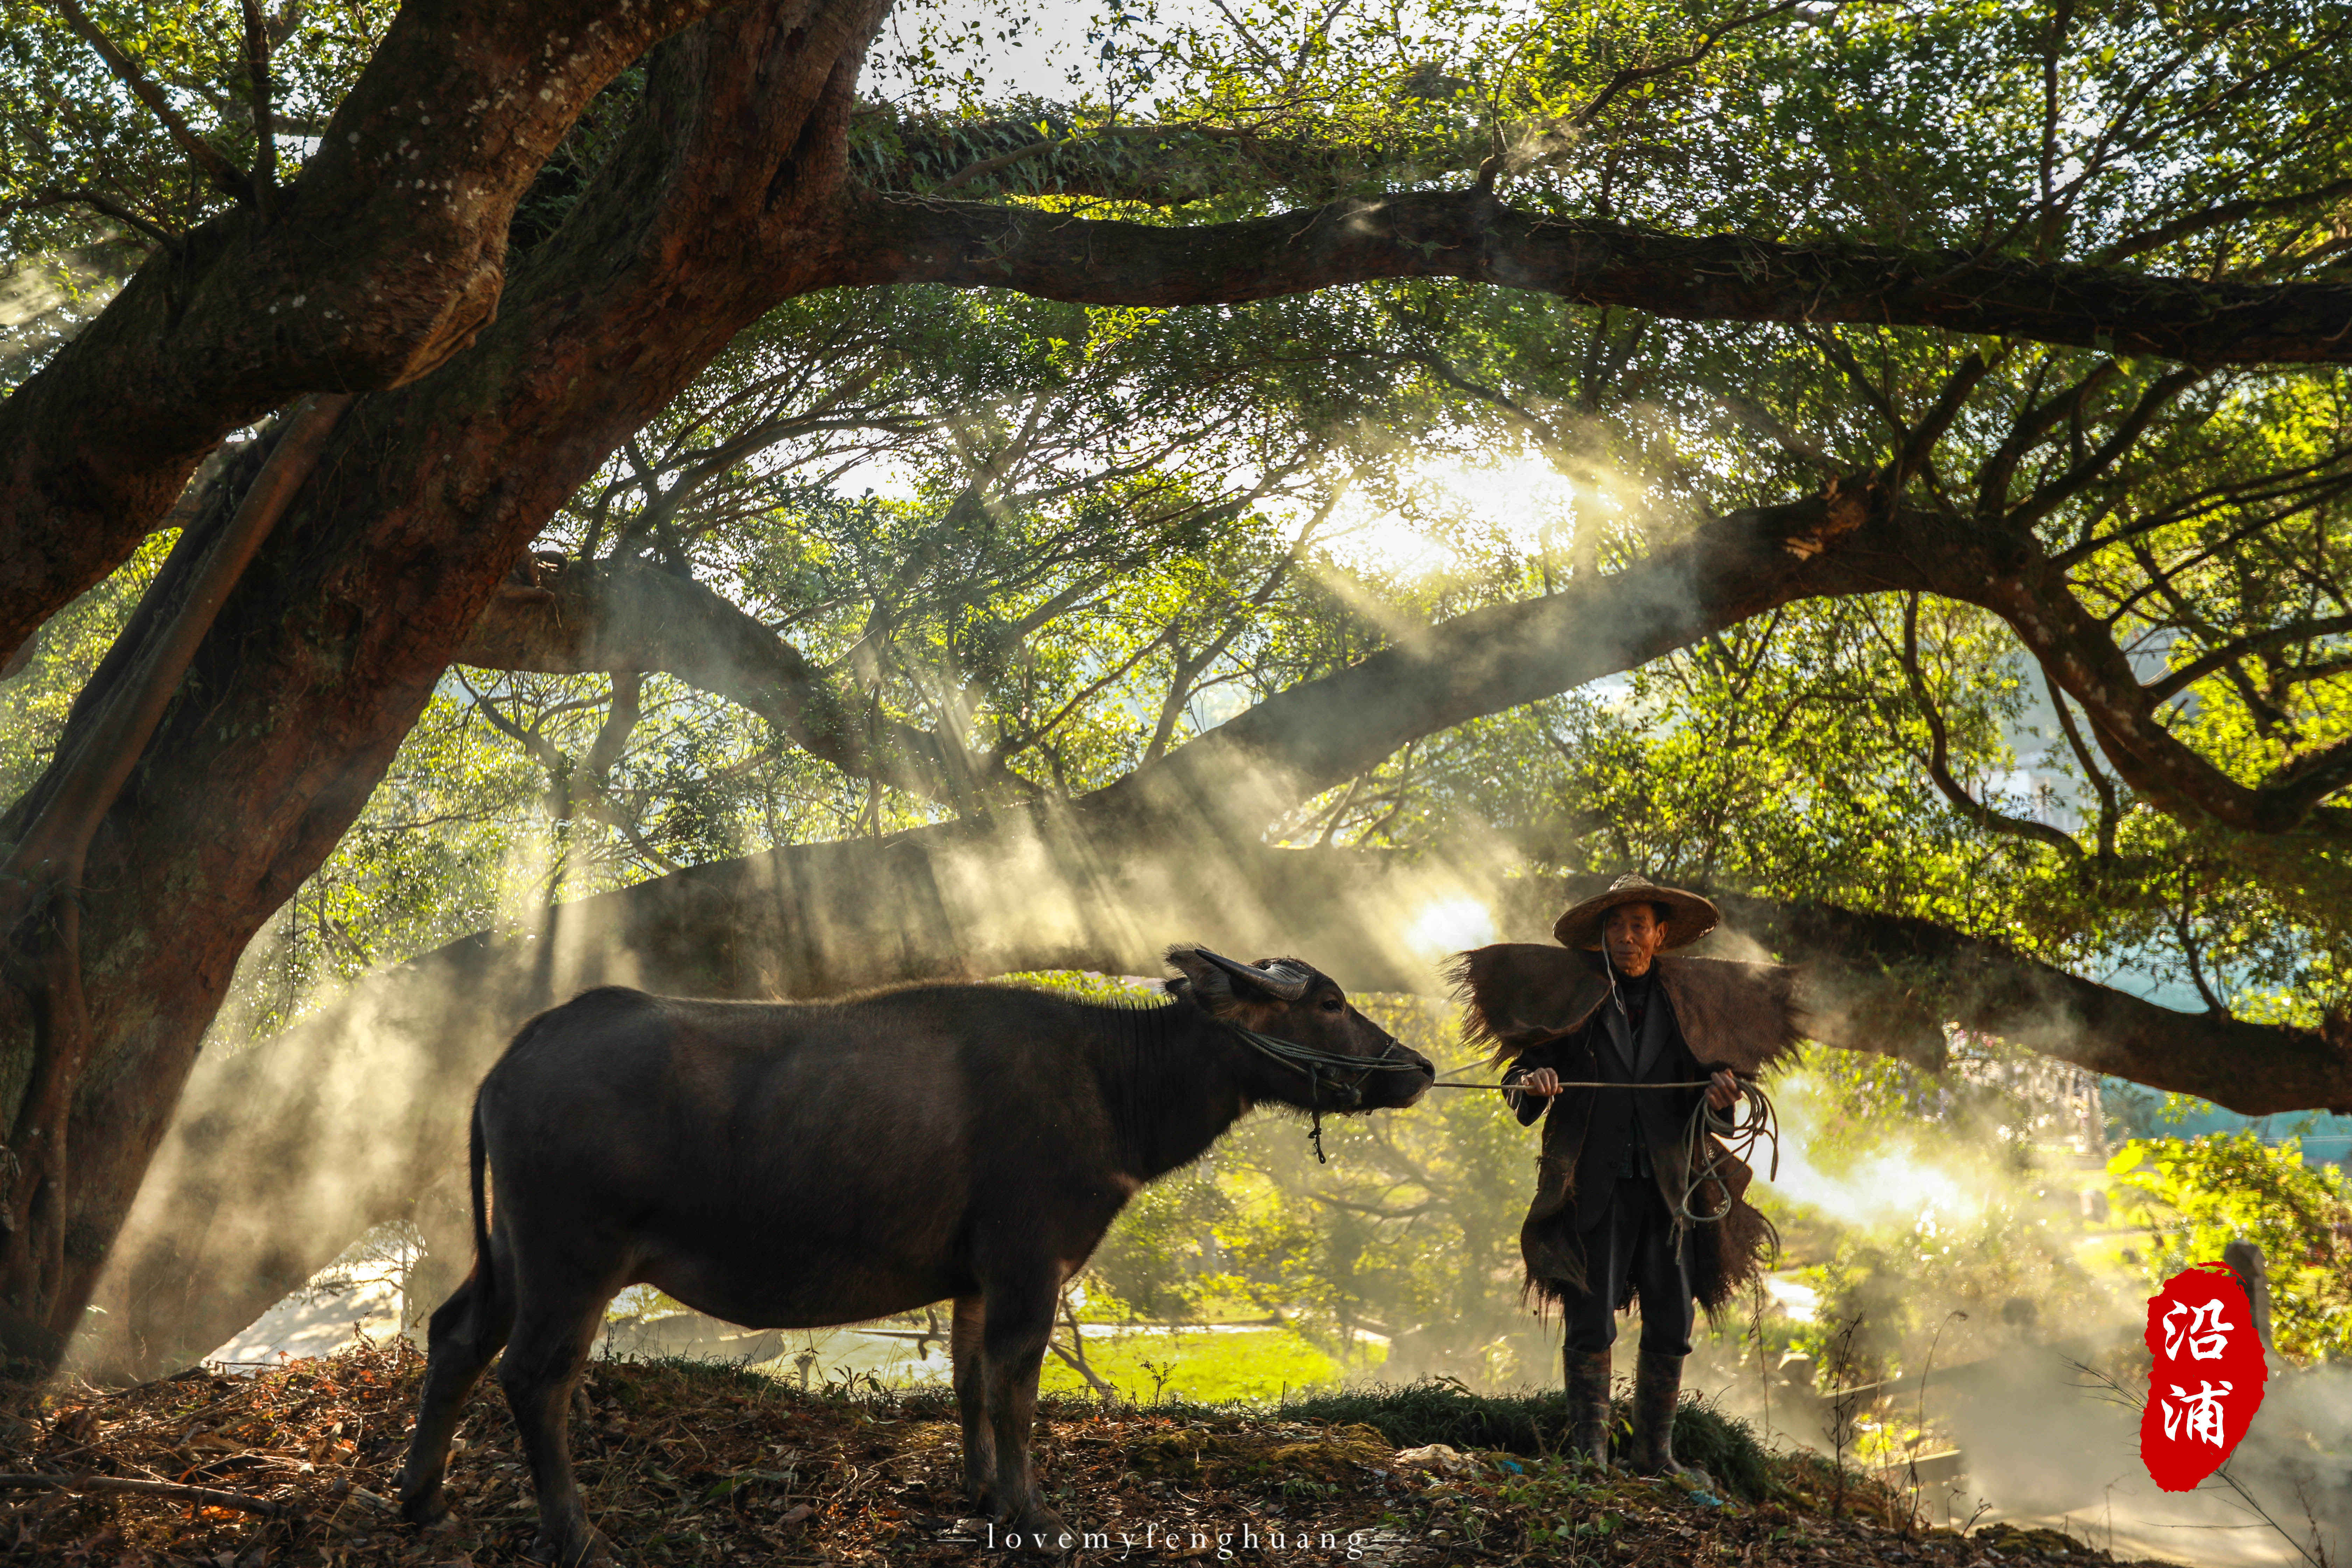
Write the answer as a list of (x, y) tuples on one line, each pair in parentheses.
[(1221, 984)]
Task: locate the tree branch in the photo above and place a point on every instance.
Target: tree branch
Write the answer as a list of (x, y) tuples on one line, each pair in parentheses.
[(2015, 582), (2032, 426), (98, 202), (1938, 761), (2181, 928), (225, 176), (2110, 809), (1298, 743), (1635, 75), (205, 1497), (1889, 983), (1161, 166), (622, 619), (265, 128), (1075, 1357), (1470, 236), (2119, 440), (2177, 681), (76, 798), (1919, 443), (363, 284), (2216, 217), (41, 878)]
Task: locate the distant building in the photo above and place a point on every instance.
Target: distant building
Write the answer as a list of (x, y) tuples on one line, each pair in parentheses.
[(2058, 1102)]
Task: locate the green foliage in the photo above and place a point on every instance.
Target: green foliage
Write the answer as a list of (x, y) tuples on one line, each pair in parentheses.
[(1063, 540), (2198, 1194), (80, 156)]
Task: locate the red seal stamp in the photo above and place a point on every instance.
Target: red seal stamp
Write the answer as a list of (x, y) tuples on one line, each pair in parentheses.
[(2207, 1382)]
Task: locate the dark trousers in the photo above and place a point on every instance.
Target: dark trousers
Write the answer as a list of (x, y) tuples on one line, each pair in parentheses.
[(1633, 1245)]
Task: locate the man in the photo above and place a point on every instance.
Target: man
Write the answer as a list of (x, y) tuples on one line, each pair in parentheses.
[(1631, 1202)]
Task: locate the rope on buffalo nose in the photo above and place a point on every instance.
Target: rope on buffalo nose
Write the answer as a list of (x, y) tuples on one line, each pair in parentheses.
[(1315, 1063)]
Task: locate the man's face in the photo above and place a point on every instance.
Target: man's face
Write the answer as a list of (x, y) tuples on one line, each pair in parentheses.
[(1632, 934)]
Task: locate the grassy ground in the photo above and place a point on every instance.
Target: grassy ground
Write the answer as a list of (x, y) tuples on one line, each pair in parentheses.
[(700, 1464)]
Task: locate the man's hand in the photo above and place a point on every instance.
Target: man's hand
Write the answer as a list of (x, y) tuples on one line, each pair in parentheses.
[(1722, 1089), (1542, 1081)]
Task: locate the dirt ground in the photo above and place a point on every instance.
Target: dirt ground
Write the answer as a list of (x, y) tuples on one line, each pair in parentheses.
[(699, 1464)]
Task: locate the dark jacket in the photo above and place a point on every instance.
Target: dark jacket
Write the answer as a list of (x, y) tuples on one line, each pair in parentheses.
[(1648, 1132), (1549, 1006)]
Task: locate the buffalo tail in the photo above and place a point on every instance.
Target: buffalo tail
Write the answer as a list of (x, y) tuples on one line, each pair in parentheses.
[(476, 1159)]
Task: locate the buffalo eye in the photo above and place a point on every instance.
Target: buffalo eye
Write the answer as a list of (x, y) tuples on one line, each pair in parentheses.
[(1333, 1005)]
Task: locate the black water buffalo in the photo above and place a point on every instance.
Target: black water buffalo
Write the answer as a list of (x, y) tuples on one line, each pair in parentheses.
[(793, 1165)]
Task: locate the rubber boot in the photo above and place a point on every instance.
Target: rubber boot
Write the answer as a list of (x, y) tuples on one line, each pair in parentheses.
[(1657, 1388), (1588, 1404)]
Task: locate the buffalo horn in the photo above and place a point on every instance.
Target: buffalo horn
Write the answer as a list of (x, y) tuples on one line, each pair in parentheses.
[(1285, 983)]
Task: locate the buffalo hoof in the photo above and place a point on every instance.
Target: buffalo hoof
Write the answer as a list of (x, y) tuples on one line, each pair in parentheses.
[(591, 1550), (426, 1510)]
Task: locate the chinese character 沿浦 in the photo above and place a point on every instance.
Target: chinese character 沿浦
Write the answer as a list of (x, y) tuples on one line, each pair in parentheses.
[(2199, 1413), (2204, 1334)]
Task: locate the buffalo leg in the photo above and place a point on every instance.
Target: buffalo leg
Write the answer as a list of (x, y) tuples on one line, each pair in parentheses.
[(464, 1334), (1019, 1319), (552, 1335), (964, 1351)]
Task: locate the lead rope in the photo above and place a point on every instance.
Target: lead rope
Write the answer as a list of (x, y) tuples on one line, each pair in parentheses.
[(1315, 1112), (1759, 1123)]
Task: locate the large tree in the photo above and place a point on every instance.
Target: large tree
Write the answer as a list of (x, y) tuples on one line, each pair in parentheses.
[(2055, 300)]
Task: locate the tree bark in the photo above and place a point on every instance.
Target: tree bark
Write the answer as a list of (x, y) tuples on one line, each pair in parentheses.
[(1889, 984), (42, 886), (380, 261)]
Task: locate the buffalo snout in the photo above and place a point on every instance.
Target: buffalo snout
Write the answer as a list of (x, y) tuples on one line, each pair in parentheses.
[(1407, 1088)]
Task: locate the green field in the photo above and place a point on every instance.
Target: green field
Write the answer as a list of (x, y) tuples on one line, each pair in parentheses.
[(1209, 1365)]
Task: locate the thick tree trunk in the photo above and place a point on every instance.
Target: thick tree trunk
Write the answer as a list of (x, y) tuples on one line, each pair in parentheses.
[(42, 880), (332, 644)]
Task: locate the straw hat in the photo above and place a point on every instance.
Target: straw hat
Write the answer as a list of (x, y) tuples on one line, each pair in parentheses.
[(1686, 916)]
